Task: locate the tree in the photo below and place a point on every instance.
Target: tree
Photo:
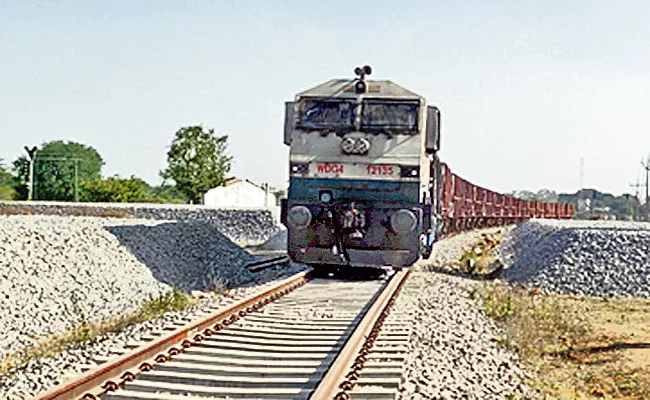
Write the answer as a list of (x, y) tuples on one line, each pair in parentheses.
[(167, 194), (547, 196), (59, 168), (117, 190), (523, 194), (131, 190), (7, 183), (197, 162), (623, 207)]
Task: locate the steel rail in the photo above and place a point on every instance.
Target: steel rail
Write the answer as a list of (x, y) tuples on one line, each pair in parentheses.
[(102, 379), (345, 369), (261, 265)]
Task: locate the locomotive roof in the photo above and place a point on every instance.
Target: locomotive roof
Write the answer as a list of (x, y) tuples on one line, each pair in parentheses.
[(345, 88)]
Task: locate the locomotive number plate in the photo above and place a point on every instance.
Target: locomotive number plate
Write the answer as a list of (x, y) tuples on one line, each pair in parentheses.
[(367, 171), (387, 170)]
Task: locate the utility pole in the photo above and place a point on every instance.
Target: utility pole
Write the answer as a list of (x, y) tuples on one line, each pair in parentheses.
[(646, 166), (582, 174), (30, 185), (581, 204), (636, 187), (630, 210), (76, 180)]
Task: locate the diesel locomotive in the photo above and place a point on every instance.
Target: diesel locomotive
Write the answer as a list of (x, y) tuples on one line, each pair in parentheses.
[(364, 174)]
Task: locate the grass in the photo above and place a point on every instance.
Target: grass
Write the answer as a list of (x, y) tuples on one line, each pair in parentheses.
[(534, 324), (54, 345), (558, 339), (575, 347), (479, 259)]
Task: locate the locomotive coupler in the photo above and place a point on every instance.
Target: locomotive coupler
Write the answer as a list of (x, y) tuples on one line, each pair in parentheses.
[(353, 222), (338, 249)]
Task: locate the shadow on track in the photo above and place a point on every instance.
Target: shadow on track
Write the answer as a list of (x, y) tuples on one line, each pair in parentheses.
[(343, 273)]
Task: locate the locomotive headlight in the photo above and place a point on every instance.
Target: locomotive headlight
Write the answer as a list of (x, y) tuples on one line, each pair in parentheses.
[(299, 168), (403, 221), (360, 87), (362, 146), (348, 145), (299, 217), (355, 146), (325, 196), (410, 172)]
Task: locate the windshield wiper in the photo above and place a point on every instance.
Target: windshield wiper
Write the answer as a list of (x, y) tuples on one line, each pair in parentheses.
[(388, 132), (337, 131)]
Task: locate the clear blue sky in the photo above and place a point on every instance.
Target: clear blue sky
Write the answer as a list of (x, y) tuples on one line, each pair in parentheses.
[(526, 88)]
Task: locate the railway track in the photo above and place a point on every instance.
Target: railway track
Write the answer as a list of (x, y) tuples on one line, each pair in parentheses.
[(302, 338)]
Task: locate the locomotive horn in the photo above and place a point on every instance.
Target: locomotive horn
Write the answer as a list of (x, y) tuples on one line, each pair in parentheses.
[(362, 72), (360, 85)]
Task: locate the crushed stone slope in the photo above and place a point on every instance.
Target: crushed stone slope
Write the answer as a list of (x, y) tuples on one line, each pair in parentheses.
[(595, 258), (56, 271)]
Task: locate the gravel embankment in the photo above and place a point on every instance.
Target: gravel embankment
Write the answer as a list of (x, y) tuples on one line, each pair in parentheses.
[(59, 271), (452, 352), (594, 258), (447, 252), (43, 374), (244, 226)]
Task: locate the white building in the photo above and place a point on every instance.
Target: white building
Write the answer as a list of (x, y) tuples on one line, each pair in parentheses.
[(241, 193)]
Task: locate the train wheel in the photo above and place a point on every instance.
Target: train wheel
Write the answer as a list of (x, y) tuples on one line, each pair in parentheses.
[(458, 225)]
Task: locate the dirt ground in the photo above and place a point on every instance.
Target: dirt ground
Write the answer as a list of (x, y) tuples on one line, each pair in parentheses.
[(625, 326), (614, 362)]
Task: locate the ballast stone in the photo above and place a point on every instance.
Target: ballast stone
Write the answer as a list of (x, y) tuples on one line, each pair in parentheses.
[(62, 271), (244, 226), (594, 258), (452, 351)]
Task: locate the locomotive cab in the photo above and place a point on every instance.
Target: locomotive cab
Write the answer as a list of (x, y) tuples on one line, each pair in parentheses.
[(362, 174)]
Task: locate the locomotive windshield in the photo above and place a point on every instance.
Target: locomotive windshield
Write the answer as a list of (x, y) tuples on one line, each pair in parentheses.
[(326, 114), (393, 116)]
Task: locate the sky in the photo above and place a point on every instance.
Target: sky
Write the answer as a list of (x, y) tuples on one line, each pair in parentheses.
[(525, 88)]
